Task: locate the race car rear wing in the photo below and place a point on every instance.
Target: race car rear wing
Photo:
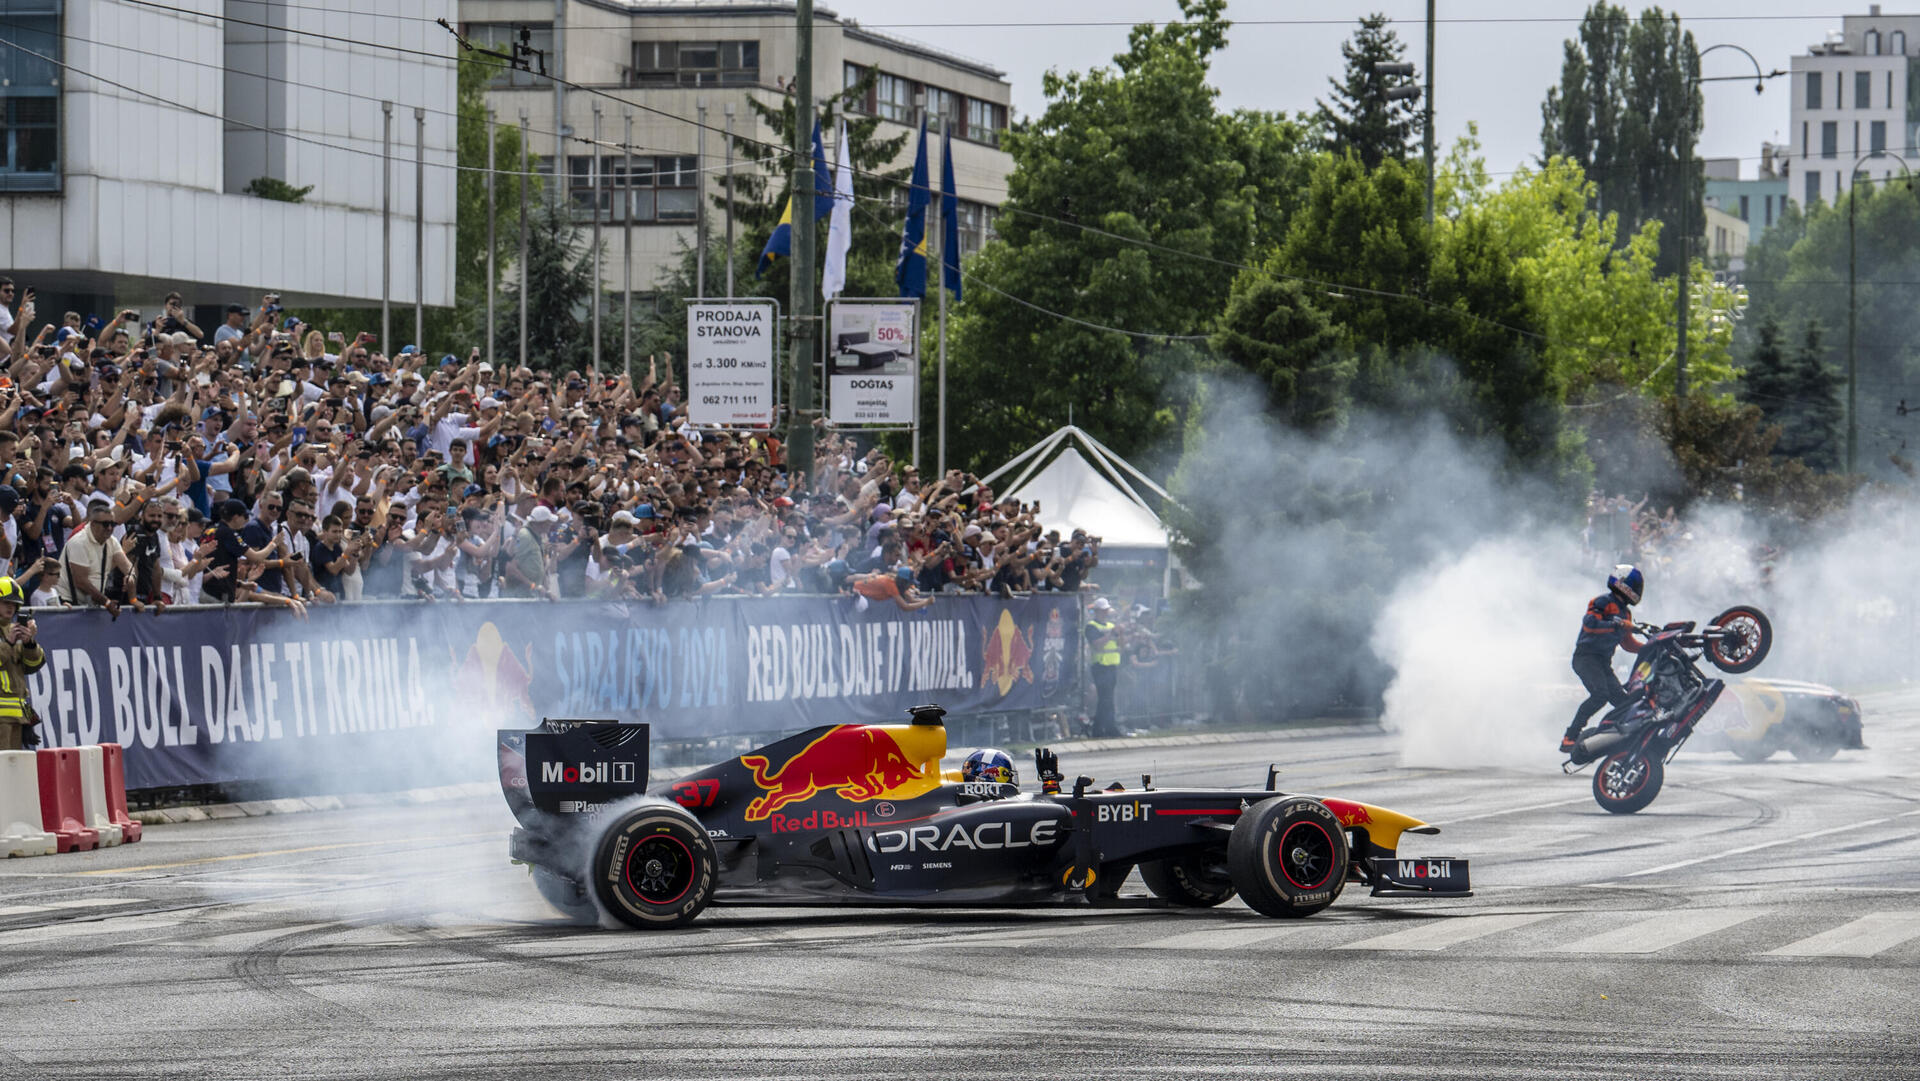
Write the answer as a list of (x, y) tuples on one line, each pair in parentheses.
[(573, 766)]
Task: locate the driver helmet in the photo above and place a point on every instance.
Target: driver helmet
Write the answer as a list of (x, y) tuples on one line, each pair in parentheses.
[(1625, 583), (989, 764)]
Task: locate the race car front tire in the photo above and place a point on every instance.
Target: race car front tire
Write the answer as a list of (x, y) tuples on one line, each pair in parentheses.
[(1190, 881), (654, 868), (1288, 856)]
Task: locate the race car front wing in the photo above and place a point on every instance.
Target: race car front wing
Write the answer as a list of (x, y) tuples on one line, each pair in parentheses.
[(1399, 877)]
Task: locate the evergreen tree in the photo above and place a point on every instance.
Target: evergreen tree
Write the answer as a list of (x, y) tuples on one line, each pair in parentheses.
[(1361, 119), (1769, 379), (1815, 435), (1623, 110), (560, 288)]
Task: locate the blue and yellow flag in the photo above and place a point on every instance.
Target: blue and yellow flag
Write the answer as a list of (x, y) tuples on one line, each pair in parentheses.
[(911, 273), (781, 242)]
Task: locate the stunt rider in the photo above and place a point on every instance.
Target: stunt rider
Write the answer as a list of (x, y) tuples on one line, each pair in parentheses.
[(1607, 624)]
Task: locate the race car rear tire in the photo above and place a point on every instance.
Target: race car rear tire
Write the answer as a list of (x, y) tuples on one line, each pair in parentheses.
[(565, 894), (1288, 857), (1190, 881), (1626, 782), (654, 868)]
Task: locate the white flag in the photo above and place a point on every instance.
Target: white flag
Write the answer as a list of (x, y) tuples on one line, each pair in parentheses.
[(840, 226)]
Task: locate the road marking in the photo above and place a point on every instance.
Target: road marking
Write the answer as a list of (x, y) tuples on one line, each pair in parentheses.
[(1216, 938), (1764, 844), (78, 902), (1872, 933), (1024, 936), (1658, 932), (1511, 811), (284, 852), (1439, 934)]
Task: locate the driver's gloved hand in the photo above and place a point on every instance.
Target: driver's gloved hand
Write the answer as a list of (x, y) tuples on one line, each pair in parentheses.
[(30, 737), (1046, 765)]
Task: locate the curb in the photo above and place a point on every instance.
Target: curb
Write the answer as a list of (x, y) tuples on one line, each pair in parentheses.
[(473, 789)]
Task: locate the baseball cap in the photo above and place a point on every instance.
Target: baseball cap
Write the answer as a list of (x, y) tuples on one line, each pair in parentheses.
[(405, 349), (379, 379), (472, 490), (9, 499), (1102, 605), (541, 514), (489, 403), (624, 518), (232, 308), (229, 508), (644, 510), (782, 502)]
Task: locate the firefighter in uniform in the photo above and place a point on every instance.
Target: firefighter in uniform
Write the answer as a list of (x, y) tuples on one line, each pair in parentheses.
[(1103, 660), (20, 656)]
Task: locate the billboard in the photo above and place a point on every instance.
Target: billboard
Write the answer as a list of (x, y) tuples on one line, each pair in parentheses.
[(730, 363), (873, 363)]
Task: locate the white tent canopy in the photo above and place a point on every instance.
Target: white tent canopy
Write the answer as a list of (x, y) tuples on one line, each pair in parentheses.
[(1074, 493)]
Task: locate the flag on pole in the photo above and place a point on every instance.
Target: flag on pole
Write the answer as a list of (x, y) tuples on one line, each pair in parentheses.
[(949, 220), (911, 273), (781, 242), (840, 229)]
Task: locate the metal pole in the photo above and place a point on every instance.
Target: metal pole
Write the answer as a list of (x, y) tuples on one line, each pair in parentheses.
[(559, 74), (729, 111), (491, 233), (800, 430), (700, 199), (1853, 381), (1428, 122), (626, 252), (526, 181), (919, 125), (1683, 300), (419, 227), (593, 176), (386, 228), (940, 257)]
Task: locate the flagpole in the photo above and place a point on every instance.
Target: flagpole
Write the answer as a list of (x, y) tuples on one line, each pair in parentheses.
[(920, 106), (940, 258)]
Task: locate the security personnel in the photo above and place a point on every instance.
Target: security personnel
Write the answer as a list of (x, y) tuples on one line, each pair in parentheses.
[(20, 656), (1103, 659)]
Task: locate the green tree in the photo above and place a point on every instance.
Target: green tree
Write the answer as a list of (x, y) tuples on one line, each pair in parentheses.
[(1360, 119), (1136, 150), (1624, 109), (560, 286), (1814, 436), (1768, 380)]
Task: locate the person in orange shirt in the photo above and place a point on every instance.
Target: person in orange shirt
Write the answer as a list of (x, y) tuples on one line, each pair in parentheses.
[(896, 586)]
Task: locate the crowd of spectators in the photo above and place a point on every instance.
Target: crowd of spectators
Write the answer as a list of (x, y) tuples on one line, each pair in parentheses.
[(148, 461)]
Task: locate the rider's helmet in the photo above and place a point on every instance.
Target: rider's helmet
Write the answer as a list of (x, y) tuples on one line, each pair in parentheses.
[(989, 764), (1625, 583), (11, 593)]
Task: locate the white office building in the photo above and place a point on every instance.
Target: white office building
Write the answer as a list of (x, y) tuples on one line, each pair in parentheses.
[(669, 57), (114, 193), (1854, 97)]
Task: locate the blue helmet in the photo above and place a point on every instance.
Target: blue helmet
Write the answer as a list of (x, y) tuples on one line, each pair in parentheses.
[(1626, 583), (903, 574), (989, 764)]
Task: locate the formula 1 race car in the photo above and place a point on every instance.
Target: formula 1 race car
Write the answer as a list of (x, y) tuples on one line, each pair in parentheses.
[(1760, 716), (861, 814)]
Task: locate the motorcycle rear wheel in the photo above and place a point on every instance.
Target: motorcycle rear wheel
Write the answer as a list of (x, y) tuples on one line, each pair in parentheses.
[(1627, 781)]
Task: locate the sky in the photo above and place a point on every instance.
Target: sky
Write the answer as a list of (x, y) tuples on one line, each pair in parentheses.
[(1279, 55)]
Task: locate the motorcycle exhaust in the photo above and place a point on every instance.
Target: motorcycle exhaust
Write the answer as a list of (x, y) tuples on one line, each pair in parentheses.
[(1600, 742)]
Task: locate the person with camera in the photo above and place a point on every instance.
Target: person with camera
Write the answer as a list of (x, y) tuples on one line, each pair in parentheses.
[(20, 657), (89, 560)]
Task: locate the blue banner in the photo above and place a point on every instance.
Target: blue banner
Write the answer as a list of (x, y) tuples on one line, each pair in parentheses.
[(392, 695)]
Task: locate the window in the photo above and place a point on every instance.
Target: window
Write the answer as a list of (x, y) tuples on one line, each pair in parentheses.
[(1877, 137), (30, 98), (650, 189), (1863, 89), (853, 74), (1805, 147), (1870, 43), (985, 121), (1769, 208), (1897, 43), (1743, 208), (695, 63), (502, 37), (1814, 81), (1813, 187), (893, 98), (1830, 139), (940, 103), (976, 226)]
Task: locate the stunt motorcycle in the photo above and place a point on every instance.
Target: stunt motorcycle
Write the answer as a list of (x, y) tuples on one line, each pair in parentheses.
[(1666, 697)]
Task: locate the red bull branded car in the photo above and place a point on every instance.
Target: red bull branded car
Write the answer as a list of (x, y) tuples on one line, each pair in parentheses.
[(862, 814)]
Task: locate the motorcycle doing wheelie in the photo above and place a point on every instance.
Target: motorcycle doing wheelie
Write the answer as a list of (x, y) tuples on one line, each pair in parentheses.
[(1666, 697)]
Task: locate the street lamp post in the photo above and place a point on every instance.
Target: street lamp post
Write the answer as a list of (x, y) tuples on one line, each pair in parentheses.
[(1853, 382), (1683, 299)]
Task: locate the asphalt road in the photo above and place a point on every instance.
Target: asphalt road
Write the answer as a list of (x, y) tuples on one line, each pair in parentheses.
[(1758, 921)]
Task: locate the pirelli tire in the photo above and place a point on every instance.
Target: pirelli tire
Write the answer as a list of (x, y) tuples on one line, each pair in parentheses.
[(1288, 857), (1193, 880), (653, 868)]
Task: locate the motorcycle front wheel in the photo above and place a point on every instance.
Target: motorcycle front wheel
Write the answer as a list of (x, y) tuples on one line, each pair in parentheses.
[(1626, 782)]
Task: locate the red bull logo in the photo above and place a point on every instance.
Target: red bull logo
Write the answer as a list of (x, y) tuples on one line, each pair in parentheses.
[(1348, 812), (857, 761), (492, 676), (1005, 655)]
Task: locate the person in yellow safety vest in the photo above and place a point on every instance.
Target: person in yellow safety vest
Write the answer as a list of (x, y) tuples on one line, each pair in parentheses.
[(1103, 661), (20, 657)]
